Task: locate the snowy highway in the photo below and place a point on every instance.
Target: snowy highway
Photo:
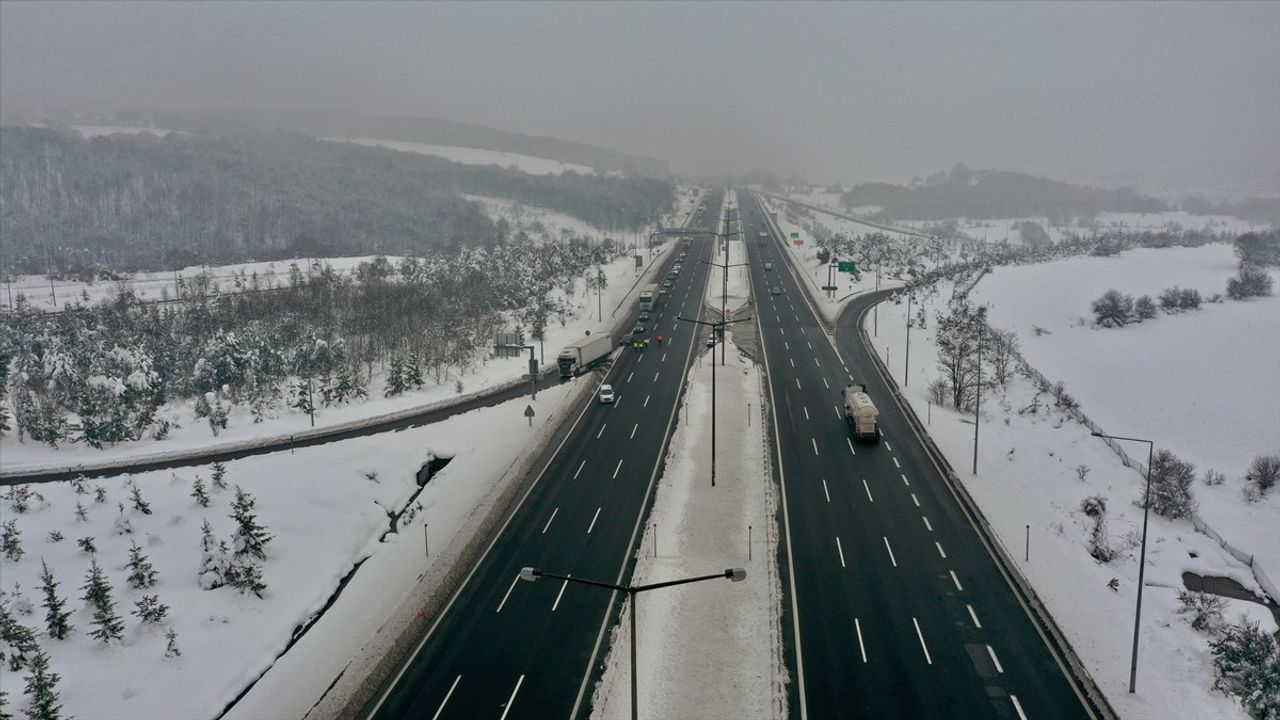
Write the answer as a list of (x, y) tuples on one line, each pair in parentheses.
[(502, 648)]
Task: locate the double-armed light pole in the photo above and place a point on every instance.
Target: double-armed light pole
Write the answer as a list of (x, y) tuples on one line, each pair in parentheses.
[(734, 574), (724, 294), (1142, 561), (718, 333)]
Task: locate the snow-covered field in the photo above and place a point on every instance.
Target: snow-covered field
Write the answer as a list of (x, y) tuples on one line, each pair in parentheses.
[(710, 649), (474, 156), (326, 515), (91, 131), (1002, 229), (1204, 384), (1027, 476)]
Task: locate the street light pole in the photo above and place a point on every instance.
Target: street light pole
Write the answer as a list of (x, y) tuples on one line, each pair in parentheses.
[(1142, 559), (906, 364), (724, 315), (977, 407), (732, 574), (717, 328)]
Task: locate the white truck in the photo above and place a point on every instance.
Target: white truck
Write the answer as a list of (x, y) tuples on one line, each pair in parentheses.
[(648, 294), (584, 353), (861, 413)]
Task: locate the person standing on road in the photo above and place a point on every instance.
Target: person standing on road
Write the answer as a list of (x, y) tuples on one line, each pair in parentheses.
[(659, 339)]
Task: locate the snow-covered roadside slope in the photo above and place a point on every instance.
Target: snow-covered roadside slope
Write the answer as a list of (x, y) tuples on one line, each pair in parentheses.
[(1027, 476), (326, 514), (1204, 384), (710, 649)]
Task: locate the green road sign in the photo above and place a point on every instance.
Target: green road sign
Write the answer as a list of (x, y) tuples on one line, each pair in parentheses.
[(847, 266), (795, 234)]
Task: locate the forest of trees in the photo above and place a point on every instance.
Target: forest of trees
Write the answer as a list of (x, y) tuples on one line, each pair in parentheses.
[(99, 374), (981, 194), (146, 202)]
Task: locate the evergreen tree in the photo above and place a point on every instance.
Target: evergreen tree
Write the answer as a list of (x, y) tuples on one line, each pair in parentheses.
[(250, 537), (150, 609), (171, 650), (20, 639), (81, 514), (78, 484), (107, 625), (245, 575), (11, 541), (55, 617), (4, 706), (87, 545), (219, 475), (396, 382), (42, 689), (197, 492), (97, 591), (213, 561), (99, 494), (141, 574), (20, 498), (1246, 663), (139, 504)]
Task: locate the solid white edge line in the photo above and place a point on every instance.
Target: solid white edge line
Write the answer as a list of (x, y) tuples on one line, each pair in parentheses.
[(840, 549), (974, 616), (514, 580), (511, 699), (920, 635), (1017, 706), (449, 694), (861, 648), (559, 595), (386, 690), (992, 652), (886, 547), (786, 527), (635, 529), (868, 489), (593, 521), (553, 517)]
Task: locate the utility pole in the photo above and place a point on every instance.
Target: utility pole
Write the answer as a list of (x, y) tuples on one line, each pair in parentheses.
[(875, 309), (906, 365), (977, 406)]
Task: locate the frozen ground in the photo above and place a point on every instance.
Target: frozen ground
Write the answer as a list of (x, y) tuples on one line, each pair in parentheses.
[(474, 156), (326, 516), (1002, 230), (91, 131), (1204, 384), (709, 649), (735, 289), (588, 312), (1026, 476)]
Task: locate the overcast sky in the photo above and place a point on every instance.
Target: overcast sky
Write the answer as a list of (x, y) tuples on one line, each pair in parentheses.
[(1172, 97)]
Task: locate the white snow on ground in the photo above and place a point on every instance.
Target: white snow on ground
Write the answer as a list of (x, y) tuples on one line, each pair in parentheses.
[(474, 156), (1204, 384), (91, 131), (1026, 476), (325, 516), (733, 290), (153, 286), (709, 649), (588, 312), (1002, 229)]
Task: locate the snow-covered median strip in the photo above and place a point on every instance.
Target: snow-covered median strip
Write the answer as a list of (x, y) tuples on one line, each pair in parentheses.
[(710, 649)]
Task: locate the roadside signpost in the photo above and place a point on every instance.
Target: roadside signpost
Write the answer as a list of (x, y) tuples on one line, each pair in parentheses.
[(528, 412)]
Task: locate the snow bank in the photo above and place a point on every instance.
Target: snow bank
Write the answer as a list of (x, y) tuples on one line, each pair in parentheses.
[(710, 649)]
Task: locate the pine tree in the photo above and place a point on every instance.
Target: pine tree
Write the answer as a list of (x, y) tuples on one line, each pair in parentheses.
[(150, 609), (20, 498), (97, 592), (197, 492), (245, 575), (139, 504), (219, 475), (20, 639), (55, 617), (11, 541), (87, 545), (171, 650), (82, 515), (141, 574), (396, 383), (213, 560), (42, 688), (107, 624), (78, 484), (4, 706), (99, 494), (250, 537)]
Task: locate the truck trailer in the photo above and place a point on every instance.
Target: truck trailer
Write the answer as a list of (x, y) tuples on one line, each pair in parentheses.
[(648, 295), (861, 413), (584, 353)]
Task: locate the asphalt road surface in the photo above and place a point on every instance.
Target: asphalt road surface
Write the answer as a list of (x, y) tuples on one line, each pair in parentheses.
[(510, 649), (896, 609)]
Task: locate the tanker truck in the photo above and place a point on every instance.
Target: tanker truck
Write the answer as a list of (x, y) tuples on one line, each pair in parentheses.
[(860, 413)]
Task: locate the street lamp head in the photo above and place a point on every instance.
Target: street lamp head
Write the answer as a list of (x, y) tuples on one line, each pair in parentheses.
[(1096, 434), (529, 574), (736, 574)]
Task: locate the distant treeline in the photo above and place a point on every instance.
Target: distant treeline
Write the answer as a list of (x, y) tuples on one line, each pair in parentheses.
[(436, 131), (983, 194), (1262, 211), (146, 202)]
